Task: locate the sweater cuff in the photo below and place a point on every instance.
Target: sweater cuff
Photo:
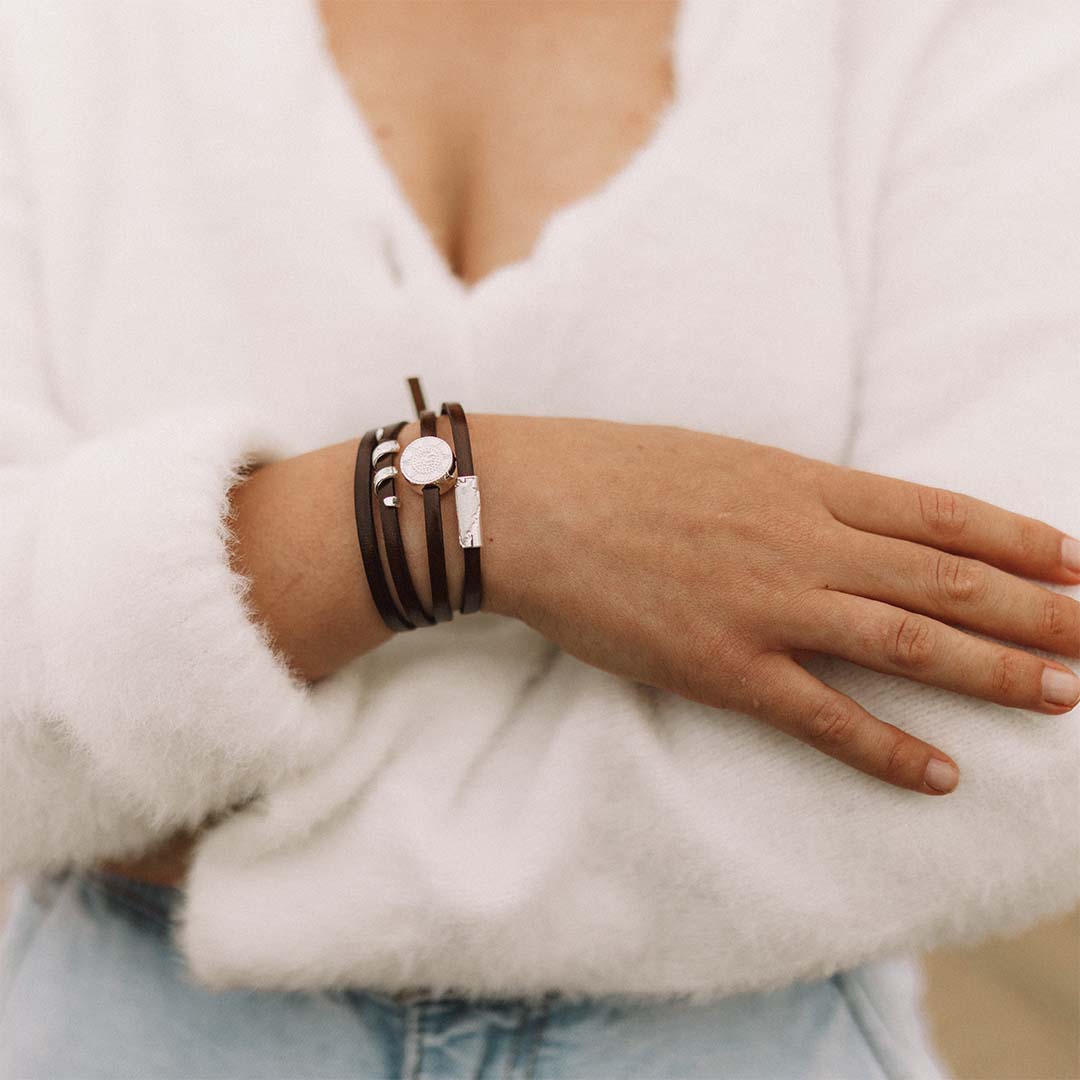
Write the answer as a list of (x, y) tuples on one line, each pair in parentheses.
[(150, 658)]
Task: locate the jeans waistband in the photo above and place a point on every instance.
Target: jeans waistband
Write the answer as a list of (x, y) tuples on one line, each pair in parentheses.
[(152, 907), (145, 903)]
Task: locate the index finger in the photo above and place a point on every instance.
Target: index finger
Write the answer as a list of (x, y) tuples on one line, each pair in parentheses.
[(951, 521)]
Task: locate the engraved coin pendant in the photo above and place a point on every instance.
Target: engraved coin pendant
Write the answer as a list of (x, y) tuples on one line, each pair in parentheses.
[(428, 460)]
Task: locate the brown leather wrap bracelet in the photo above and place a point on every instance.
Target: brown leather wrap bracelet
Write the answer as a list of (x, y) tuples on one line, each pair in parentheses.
[(395, 551), (433, 529), (368, 540), (473, 593)]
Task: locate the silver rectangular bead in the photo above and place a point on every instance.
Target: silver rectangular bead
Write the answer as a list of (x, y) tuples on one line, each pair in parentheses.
[(467, 504)]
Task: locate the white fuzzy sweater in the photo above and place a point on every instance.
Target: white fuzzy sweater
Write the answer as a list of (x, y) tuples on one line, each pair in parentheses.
[(853, 235)]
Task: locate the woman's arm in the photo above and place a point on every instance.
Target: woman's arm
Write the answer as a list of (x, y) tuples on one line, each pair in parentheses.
[(693, 563)]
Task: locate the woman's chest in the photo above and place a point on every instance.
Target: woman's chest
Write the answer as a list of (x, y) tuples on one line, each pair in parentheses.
[(259, 247), (491, 116)]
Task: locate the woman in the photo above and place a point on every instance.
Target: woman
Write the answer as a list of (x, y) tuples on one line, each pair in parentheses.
[(761, 315)]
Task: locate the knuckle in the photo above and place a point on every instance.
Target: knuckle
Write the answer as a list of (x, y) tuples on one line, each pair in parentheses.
[(909, 642), (1004, 674), (1059, 621), (899, 759), (1029, 539), (796, 534), (945, 513), (956, 580), (832, 724), (709, 660), (710, 648), (800, 605)]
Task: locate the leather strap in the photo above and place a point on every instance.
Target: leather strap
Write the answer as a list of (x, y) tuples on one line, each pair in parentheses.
[(433, 528), (369, 543), (473, 594), (395, 550)]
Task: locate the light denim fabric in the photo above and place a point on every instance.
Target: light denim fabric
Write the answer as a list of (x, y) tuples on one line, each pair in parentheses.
[(91, 986)]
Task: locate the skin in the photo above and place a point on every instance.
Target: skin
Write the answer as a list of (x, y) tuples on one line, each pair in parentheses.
[(719, 607), (492, 115)]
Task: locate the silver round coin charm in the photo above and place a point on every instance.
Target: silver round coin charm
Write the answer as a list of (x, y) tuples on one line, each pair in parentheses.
[(428, 460)]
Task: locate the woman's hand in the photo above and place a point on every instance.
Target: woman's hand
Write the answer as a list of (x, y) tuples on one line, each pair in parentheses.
[(708, 566)]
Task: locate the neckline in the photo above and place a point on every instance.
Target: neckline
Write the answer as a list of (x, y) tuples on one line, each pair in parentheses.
[(586, 209)]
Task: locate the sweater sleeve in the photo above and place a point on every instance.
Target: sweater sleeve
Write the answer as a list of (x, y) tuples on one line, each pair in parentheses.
[(137, 693), (971, 358)]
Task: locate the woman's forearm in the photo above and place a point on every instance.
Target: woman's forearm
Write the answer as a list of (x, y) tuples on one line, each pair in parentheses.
[(296, 543)]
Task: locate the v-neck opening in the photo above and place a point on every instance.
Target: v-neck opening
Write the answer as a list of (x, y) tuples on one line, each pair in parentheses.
[(580, 208)]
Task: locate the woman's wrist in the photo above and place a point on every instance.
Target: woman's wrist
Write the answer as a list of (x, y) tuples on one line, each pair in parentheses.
[(492, 437)]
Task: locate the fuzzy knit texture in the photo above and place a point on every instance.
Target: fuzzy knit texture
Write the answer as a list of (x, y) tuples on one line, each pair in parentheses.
[(853, 234)]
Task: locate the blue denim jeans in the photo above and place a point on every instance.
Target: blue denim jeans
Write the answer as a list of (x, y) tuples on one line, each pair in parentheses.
[(90, 986)]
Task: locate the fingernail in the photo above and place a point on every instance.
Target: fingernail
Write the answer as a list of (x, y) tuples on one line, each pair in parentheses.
[(941, 775), (1060, 687), (1070, 553)]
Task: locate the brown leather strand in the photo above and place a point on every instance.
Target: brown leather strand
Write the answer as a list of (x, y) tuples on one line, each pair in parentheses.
[(433, 529), (473, 593), (369, 544), (395, 553)]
